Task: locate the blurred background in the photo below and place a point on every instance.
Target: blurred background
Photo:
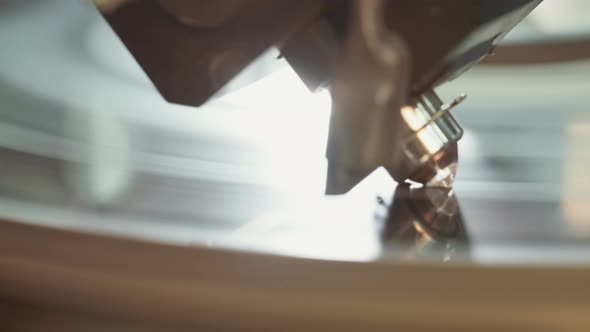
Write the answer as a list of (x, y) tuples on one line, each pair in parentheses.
[(87, 143)]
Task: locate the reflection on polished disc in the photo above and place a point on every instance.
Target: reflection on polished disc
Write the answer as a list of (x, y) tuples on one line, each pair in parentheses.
[(99, 151)]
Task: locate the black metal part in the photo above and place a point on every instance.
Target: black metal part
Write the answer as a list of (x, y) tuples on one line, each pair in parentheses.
[(445, 38), (188, 64)]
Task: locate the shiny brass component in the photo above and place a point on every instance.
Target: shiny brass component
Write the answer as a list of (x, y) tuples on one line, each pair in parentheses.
[(430, 145)]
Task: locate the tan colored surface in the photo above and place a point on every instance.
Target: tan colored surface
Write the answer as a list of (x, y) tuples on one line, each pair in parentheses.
[(108, 5), (197, 287)]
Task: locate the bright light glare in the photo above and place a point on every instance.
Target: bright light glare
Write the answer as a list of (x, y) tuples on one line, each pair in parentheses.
[(430, 136), (411, 118), (290, 124)]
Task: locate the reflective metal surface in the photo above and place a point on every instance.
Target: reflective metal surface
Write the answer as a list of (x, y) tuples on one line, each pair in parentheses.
[(87, 144), (427, 222)]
